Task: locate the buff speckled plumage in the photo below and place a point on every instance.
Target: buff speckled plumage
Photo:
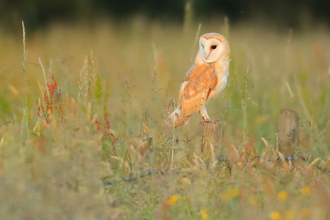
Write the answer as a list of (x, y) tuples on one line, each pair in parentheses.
[(206, 78)]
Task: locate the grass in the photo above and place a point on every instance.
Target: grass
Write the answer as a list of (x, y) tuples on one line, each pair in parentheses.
[(73, 124)]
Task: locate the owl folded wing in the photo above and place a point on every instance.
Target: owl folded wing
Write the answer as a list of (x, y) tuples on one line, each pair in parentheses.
[(196, 88)]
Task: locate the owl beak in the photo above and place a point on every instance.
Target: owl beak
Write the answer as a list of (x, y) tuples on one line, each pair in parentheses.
[(206, 52)]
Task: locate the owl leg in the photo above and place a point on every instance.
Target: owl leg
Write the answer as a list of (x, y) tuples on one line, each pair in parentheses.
[(206, 117), (204, 114)]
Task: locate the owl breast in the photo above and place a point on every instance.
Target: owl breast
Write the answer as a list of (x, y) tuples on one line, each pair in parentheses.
[(222, 72), (218, 88)]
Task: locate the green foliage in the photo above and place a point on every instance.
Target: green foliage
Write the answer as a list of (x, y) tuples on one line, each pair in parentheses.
[(4, 107)]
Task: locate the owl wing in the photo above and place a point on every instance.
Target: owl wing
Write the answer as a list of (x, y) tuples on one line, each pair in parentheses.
[(196, 88)]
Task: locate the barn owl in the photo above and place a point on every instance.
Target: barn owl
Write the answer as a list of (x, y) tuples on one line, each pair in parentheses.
[(206, 78)]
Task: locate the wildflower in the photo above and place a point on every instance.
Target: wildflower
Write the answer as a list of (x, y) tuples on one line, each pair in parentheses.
[(185, 181), (282, 195), (254, 200), (234, 192), (275, 215), (172, 200), (305, 190), (243, 151), (226, 197), (261, 119), (289, 215), (204, 214), (254, 154), (239, 163), (305, 212)]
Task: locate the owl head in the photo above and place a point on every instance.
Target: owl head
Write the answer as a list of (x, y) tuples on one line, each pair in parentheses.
[(212, 47)]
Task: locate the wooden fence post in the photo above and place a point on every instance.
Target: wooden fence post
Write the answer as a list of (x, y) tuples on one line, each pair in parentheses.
[(288, 133), (212, 137)]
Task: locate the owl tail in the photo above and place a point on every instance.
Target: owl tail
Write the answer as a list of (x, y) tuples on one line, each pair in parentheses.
[(176, 118)]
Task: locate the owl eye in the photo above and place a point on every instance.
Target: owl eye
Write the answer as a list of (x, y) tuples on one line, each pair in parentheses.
[(214, 47)]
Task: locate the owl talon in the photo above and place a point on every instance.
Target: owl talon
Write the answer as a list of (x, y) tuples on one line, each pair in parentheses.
[(208, 121)]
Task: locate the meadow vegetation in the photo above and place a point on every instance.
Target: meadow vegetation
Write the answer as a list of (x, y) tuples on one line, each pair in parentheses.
[(74, 124)]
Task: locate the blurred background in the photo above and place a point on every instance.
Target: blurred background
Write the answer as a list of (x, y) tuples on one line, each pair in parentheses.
[(38, 13)]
